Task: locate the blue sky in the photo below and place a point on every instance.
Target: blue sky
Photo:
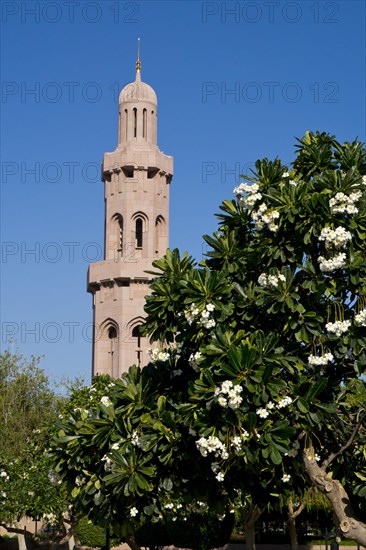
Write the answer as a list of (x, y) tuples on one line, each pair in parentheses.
[(236, 81)]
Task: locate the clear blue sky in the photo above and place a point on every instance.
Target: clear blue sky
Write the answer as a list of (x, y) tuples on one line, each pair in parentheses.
[(236, 81)]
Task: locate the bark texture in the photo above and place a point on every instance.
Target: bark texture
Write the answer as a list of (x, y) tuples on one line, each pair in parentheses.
[(250, 519), (349, 526), (291, 522)]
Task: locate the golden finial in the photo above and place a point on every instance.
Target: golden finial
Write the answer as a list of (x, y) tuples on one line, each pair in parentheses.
[(138, 62)]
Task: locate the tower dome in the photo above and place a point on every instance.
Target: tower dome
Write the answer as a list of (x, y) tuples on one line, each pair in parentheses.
[(138, 91), (137, 113)]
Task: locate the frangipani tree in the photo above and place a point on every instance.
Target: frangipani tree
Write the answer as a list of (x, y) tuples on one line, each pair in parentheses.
[(257, 389), (274, 322), (125, 458)]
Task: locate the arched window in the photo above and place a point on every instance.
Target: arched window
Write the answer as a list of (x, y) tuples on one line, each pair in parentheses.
[(120, 226), (135, 122), (112, 333), (138, 232), (109, 348), (159, 234), (137, 334), (116, 237), (144, 123), (126, 124)]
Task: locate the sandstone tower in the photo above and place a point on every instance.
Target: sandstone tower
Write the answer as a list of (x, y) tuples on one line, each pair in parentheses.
[(136, 178)]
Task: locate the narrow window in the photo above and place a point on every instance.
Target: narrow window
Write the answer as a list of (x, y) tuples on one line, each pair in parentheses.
[(139, 233), (112, 333), (136, 334), (119, 128), (126, 123), (144, 123), (120, 225), (135, 122)]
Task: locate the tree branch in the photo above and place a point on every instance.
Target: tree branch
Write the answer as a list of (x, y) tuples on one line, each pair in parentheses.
[(17, 530), (332, 456)]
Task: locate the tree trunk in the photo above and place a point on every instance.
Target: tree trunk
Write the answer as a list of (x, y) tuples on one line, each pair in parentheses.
[(350, 527), (291, 522), (22, 544), (132, 543), (250, 519), (71, 541)]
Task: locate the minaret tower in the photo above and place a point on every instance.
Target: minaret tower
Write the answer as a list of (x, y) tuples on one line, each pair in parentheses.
[(136, 178)]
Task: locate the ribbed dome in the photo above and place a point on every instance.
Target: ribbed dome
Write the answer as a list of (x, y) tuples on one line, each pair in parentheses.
[(137, 91)]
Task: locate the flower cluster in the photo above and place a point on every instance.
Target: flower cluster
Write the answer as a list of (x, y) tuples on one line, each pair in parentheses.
[(270, 281), (108, 463), (264, 217), (158, 355), (314, 457), (228, 395), (80, 480), (360, 318), (264, 412), (193, 312), (338, 327), (320, 360), (4, 475), (212, 445), (337, 262), (248, 194), (284, 402), (342, 203), (337, 237), (194, 360), (135, 439), (106, 401)]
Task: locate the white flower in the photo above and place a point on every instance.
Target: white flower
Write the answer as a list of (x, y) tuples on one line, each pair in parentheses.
[(342, 203), (337, 237), (270, 281), (262, 413), (135, 439), (236, 443), (79, 480), (286, 175), (212, 445), (331, 264), (320, 360), (169, 506), (360, 318), (220, 476), (338, 327), (115, 446), (106, 401), (286, 478), (284, 402), (133, 512), (158, 355)]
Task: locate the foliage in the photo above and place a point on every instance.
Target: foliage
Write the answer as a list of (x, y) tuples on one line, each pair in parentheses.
[(264, 353), (29, 409), (26, 401), (92, 535)]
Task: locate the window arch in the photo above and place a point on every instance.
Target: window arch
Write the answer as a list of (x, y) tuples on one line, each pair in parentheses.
[(117, 233), (144, 123), (134, 122), (140, 228), (159, 234), (109, 347), (134, 327)]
